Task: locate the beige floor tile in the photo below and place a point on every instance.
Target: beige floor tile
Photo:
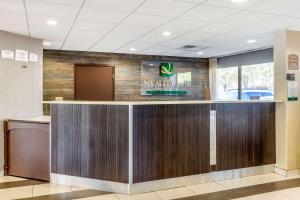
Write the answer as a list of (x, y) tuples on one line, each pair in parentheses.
[(293, 193), (175, 193), (16, 193), (10, 178), (269, 196), (46, 189), (144, 196), (266, 178), (206, 188), (235, 183), (243, 198), (102, 197)]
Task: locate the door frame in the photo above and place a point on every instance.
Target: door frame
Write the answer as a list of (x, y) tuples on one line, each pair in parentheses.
[(94, 65)]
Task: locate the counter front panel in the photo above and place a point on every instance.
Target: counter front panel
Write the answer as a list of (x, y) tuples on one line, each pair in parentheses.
[(90, 141), (245, 135), (170, 141)]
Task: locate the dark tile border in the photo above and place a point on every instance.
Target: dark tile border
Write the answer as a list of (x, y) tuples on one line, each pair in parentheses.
[(13, 184)]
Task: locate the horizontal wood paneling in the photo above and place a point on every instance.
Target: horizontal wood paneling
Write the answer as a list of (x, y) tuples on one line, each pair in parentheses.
[(90, 141), (59, 74), (245, 135), (170, 141)]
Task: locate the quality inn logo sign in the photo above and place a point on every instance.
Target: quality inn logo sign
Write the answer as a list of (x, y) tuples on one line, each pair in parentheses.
[(166, 69)]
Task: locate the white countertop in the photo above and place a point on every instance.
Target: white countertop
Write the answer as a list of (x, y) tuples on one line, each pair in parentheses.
[(156, 102), (40, 119)]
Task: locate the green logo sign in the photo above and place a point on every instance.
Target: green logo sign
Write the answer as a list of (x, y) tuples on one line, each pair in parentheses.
[(166, 69)]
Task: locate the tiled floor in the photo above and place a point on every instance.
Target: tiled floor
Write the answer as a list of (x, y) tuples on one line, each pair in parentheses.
[(281, 188)]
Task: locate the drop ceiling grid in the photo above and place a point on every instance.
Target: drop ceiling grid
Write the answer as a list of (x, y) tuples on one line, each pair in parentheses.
[(272, 15)]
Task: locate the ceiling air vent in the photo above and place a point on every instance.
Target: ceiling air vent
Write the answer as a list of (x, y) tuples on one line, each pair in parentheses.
[(192, 48)]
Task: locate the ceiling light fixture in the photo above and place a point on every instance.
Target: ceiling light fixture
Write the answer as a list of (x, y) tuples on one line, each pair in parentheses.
[(166, 33), (200, 53), (238, 1), (46, 43), (52, 22), (251, 41), (132, 49)]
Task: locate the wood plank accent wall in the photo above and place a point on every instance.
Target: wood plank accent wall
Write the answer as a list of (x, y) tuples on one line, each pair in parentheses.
[(170, 141), (90, 141), (245, 135), (21, 88), (59, 74)]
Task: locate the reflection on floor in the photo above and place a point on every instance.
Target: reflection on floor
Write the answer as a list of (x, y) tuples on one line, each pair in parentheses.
[(263, 187)]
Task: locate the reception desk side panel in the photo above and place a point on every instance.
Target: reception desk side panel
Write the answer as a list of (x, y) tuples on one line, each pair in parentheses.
[(90, 141), (245, 135), (170, 141)]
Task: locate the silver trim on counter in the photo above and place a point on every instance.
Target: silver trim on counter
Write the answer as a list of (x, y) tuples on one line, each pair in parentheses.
[(159, 184)]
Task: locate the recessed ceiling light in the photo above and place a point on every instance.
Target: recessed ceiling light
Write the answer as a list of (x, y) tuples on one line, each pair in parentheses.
[(200, 53), (166, 33), (251, 41), (132, 49), (52, 22), (238, 1), (46, 43)]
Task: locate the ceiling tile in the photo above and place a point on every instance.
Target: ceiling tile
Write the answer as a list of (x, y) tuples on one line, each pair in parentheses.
[(81, 40), (145, 20), (277, 7), (185, 24), (198, 35), (12, 6), (208, 13), (166, 8), (230, 4), (87, 25), (247, 18), (48, 33), (13, 18), (157, 33), (220, 28), (64, 2), (18, 29), (280, 22), (101, 15), (114, 5), (113, 42), (37, 20), (124, 29), (50, 9)]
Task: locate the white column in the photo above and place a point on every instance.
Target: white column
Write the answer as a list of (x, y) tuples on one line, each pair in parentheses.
[(288, 112)]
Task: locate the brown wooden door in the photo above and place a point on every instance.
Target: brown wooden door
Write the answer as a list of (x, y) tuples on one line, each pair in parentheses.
[(94, 83)]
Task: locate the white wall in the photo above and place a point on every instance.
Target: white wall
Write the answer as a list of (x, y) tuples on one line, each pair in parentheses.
[(20, 88)]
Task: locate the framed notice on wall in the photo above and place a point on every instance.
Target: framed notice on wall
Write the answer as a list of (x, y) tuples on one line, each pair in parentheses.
[(7, 54), (293, 62), (21, 55)]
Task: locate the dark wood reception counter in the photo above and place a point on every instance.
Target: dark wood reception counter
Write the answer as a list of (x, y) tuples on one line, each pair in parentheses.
[(133, 147)]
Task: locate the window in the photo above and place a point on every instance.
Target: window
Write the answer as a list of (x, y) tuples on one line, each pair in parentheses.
[(227, 83), (247, 82), (257, 81)]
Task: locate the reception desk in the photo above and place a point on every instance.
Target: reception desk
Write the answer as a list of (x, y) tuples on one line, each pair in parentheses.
[(133, 147)]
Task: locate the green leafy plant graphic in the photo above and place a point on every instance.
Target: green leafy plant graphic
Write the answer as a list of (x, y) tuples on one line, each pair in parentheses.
[(166, 69)]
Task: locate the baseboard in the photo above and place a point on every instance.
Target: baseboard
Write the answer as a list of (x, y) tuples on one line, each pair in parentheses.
[(151, 186), (287, 173)]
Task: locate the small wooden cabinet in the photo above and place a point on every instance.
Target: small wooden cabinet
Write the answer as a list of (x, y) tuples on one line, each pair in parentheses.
[(27, 149)]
